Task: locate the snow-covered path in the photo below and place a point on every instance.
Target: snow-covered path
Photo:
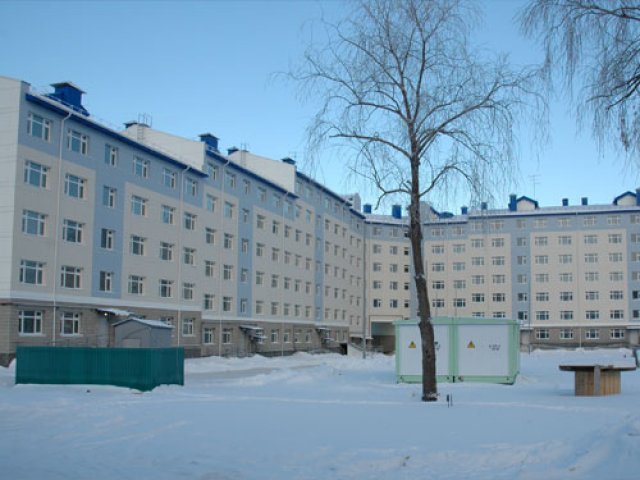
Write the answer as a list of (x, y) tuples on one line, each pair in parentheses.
[(323, 417)]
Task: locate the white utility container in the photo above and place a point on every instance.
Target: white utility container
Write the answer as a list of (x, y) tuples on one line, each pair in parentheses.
[(467, 349)]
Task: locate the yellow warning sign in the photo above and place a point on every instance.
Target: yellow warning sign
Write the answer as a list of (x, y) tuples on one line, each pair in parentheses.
[(412, 344), (471, 344)]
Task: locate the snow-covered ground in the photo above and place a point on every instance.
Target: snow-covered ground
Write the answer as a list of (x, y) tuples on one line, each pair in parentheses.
[(323, 417)]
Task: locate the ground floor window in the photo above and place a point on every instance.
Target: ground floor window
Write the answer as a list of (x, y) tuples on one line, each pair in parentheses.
[(207, 335), (70, 323), (30, 322), (226, 336), (187, 326), (617, 333), (542, 334), (566, 334), (592, 334)]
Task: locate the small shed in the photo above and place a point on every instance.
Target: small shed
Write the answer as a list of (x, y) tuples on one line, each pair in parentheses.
[(142, 333), (467, 349)]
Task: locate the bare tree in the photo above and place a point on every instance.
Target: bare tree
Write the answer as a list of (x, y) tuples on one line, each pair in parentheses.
[(595, 47), (400, 83)]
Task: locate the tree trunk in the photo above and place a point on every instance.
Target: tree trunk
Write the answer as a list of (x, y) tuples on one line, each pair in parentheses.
[(429, 385)]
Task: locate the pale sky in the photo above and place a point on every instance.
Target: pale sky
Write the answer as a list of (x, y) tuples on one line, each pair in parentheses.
[(209, 66)]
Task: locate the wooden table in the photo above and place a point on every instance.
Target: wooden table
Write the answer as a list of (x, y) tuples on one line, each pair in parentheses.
[(594, 379)]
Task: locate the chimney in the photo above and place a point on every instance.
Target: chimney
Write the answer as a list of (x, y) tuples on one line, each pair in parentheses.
[(565, 202), (210, 140), (366, 208), (512, 202), (70, 95), (585, 201), (396, 211)]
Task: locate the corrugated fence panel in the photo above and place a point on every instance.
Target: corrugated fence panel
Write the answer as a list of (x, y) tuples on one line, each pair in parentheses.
[(139, 368)]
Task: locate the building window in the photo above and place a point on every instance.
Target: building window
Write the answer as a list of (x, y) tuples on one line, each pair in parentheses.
[(566, 296), (542, 296), (110, 155), (138, 206), (209, 268), (228, 241), (35, 174), (459, 302), (106, 281), (210, 236), (209, 301), (497, 242), (226, 336), (566, 314), (592, 334), (30, 322), (227, 273), (70, 323), (542, 315), (168, 178), (166, 288), (566, 334), (616, 314), (140, 167), (541, 241), (39, 127), (109, 196), (207, 336), (166, 251), (542, 334), (70, 277), (136, 285), (615, 238), (228, 210), (72, 231), (107, 237), (191, 186), (616, 333), (187, 291), (189, 256), (189, 221), (477, 297), (136, 245), (74, 186), (168, 214), (616, 295), (33, 223), (187, 326), (592, 314), (77, 142)]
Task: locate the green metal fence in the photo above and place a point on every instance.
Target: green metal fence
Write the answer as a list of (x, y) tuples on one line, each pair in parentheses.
[(139, 368)]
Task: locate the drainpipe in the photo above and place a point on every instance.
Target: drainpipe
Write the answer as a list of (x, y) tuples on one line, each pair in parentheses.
[(284, 203), (179, 253), (57, 230), (222, 180)]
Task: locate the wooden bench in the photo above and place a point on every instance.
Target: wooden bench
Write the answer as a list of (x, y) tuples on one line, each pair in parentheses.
[(594, 379)]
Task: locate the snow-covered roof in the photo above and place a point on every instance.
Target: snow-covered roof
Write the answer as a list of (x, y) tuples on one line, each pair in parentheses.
[(144, 321), (115, 311)]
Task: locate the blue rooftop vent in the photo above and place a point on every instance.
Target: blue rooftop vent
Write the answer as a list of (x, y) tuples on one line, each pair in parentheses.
[(638, 197), (396, 211), (289, 161), (565, 202), (70, 95), (464, 210), (366, 208), (232, 150), (585, 201), (445, 215), (512, 202), (483, 206), (210, 140)]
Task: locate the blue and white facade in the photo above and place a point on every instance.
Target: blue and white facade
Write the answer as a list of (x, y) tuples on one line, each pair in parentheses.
[(243, 254)]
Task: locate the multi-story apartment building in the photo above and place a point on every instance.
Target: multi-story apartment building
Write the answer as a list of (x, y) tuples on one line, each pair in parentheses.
[(570, 274), (245, 254), (239, 253)]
